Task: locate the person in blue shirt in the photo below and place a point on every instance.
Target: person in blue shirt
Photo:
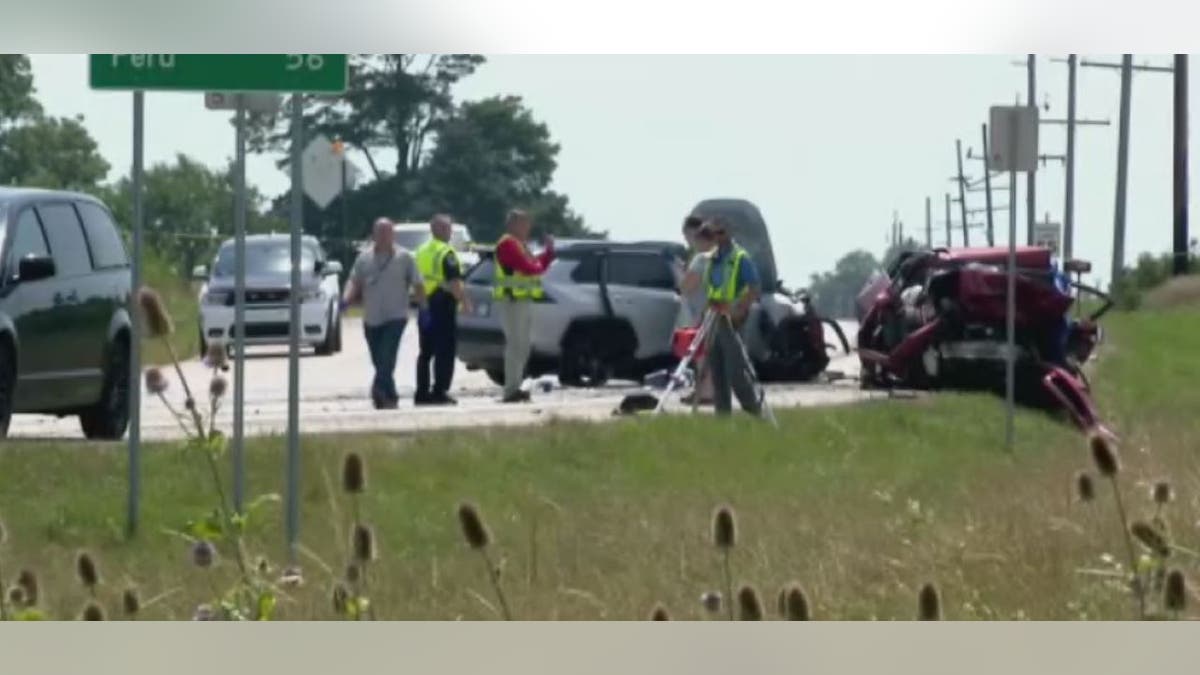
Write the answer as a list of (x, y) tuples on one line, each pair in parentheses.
[(731, 286)]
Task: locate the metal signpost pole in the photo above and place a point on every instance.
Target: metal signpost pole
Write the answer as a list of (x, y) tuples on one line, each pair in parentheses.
[(293, 425), (1010, 360), (135, 317), (1031, 179), (1014, 128), (239, 312)]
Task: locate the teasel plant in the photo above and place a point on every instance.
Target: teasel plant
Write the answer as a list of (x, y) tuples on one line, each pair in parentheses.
[(724, 537), (1107, 463), (479, 538), (254, 596), (350, 595)]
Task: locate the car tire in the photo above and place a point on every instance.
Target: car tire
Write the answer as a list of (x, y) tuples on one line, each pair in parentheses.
[(582, 364), (108, 419), (326, 348), (203, 344), (337, 332), (8, 385)]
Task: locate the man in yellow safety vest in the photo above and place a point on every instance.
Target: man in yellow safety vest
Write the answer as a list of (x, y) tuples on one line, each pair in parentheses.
[(438, 263), (731, 286)]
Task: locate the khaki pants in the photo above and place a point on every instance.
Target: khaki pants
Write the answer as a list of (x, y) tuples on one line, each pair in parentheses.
[(516, 318)]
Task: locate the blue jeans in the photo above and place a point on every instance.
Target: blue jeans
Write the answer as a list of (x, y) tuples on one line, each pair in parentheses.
[(383, 341)]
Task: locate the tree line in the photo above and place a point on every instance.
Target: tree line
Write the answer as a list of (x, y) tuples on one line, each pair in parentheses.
[(473, 159)]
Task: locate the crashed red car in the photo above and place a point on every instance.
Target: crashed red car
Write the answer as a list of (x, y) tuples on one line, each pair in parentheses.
[(937, 319)]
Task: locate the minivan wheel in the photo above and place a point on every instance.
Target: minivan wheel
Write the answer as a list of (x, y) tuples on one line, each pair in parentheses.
[(108, 419), (8, 381)]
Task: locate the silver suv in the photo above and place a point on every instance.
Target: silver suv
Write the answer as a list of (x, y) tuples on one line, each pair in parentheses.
[(609, 312)]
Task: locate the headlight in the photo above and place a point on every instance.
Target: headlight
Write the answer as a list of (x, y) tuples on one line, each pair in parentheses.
[(217, 297)]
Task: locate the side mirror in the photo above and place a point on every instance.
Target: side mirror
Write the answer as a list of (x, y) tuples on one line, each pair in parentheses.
[(200, 273), (35, 268), (333, 267), (1076, 266)]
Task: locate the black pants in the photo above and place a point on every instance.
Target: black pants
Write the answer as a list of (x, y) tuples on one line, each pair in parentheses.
[(439, 345)]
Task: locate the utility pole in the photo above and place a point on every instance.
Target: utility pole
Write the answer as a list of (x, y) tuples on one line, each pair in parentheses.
[(1126, 69), (1069, 202), (949, 223), (1030, 178), (987, 187), (962, 193), (928, 223), (1118, 254), (1071, 123), (1181, 166)]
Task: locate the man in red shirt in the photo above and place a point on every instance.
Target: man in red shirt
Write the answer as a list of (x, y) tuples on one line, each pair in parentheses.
[(518, 285)]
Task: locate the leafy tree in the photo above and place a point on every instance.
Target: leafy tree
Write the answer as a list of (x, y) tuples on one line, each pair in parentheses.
[(492, 155), (474, 160), (53, 153), (36, 150), (188, 210), (16, 90), (834, 292), (392, 102)]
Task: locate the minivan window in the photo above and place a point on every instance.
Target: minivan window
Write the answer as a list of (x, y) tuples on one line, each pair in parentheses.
[(65, 234), (28, 240), (641, 270), (108, 251)]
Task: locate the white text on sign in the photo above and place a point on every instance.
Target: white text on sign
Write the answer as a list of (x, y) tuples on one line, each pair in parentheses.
[(166, 61)]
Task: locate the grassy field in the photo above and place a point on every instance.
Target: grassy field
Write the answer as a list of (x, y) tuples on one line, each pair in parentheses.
[(860, 505)]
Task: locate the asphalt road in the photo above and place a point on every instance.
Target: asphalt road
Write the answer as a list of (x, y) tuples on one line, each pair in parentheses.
[(334, 396)]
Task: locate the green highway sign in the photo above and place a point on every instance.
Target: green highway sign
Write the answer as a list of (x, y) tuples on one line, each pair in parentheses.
[(305, 73)]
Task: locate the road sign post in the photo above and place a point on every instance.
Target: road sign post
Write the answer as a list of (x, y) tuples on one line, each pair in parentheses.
[(239, 308), (225, 74), (134, 494), (293, 426), (1014, 149)]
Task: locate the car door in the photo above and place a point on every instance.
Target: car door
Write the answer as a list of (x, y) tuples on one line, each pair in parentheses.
[(37, 319), (82, 311), (642, 289)]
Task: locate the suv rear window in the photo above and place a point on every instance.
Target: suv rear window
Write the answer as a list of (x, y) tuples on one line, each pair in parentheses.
[(641, 270), (108, 250), (65, 233)]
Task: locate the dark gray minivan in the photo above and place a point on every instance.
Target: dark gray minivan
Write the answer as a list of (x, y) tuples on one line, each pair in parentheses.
[(64, 322)]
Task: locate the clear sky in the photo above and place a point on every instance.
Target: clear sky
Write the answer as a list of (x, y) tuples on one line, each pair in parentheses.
[(827, 146)]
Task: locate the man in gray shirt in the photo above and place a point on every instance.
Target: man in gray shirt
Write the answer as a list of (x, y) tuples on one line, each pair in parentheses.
[(385, 280)]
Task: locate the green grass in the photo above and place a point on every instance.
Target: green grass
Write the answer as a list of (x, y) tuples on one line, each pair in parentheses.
[(861, 505)]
